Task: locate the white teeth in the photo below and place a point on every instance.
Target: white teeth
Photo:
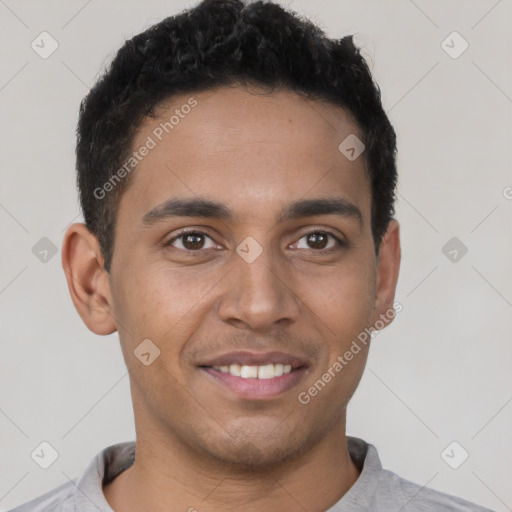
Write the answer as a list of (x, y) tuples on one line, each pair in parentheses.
[(267, 371), (234, 369), (249, 372)]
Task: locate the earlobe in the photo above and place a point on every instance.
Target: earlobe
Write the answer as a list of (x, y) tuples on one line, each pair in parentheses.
[(88, 282), (387, 271)]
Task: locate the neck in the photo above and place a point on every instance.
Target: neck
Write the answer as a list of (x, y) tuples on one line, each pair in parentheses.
[(167, 473)]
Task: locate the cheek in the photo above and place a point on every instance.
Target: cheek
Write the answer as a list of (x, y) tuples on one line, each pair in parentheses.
[(342, 298), (160, 302), (342, 307)]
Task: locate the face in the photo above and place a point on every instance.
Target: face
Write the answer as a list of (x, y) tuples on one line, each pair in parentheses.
[(243, 245)]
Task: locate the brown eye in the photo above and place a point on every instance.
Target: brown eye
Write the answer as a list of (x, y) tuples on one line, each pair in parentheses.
[(191, 241), (319, 240)]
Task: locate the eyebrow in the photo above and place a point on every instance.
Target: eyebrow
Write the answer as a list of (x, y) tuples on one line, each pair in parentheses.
[(200, 207), (321, 206)]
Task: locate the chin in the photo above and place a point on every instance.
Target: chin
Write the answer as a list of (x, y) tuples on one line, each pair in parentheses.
[(253, 451)]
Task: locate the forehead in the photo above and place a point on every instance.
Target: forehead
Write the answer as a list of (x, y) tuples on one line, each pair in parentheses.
[(247, 149)]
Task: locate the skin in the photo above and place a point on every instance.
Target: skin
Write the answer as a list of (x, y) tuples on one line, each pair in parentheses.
[(198, 444)]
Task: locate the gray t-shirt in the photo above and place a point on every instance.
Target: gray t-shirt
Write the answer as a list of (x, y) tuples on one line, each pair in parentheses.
[(376, 489)]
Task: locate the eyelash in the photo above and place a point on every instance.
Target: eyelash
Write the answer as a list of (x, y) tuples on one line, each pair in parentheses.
[(339, 242)]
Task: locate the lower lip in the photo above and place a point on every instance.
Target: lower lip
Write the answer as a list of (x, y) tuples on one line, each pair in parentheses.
[(258, 388)]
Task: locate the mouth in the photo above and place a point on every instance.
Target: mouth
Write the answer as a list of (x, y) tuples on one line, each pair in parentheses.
[(267, 371), (256, 376)]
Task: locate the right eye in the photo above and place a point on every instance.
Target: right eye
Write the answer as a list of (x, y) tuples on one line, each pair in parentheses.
[(191, 241)]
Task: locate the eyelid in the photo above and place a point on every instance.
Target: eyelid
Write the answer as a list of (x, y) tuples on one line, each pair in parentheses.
[(186, 231), (341, 242)]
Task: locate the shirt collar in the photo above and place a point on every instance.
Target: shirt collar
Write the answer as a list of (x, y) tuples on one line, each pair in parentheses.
[(109, 463), (116, 458)]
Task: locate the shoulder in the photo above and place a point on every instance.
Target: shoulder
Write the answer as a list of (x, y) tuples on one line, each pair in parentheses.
[(85, 492), (59, 499), (380, 490), (394, 490)]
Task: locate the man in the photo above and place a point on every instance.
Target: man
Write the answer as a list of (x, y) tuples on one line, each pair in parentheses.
[(237, 173)]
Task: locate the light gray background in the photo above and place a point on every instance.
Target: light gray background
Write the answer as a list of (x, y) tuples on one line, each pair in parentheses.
[(440, 373)]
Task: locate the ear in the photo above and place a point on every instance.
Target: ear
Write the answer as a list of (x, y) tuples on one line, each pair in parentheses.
[(88, 281), (388, 266)]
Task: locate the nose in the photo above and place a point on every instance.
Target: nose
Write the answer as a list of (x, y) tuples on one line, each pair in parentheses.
[(259, 295)]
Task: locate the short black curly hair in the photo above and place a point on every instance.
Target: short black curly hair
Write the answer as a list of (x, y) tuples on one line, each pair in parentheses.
[(219, 43)]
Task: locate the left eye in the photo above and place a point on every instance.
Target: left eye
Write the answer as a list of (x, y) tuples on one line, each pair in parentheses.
[(318, 240), (191, 241)]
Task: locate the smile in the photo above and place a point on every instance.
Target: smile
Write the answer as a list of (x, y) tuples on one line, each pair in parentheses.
[(255, 382), (267, 371)]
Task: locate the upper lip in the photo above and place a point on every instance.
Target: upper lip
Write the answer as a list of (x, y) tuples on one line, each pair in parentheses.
[(245, 358)]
